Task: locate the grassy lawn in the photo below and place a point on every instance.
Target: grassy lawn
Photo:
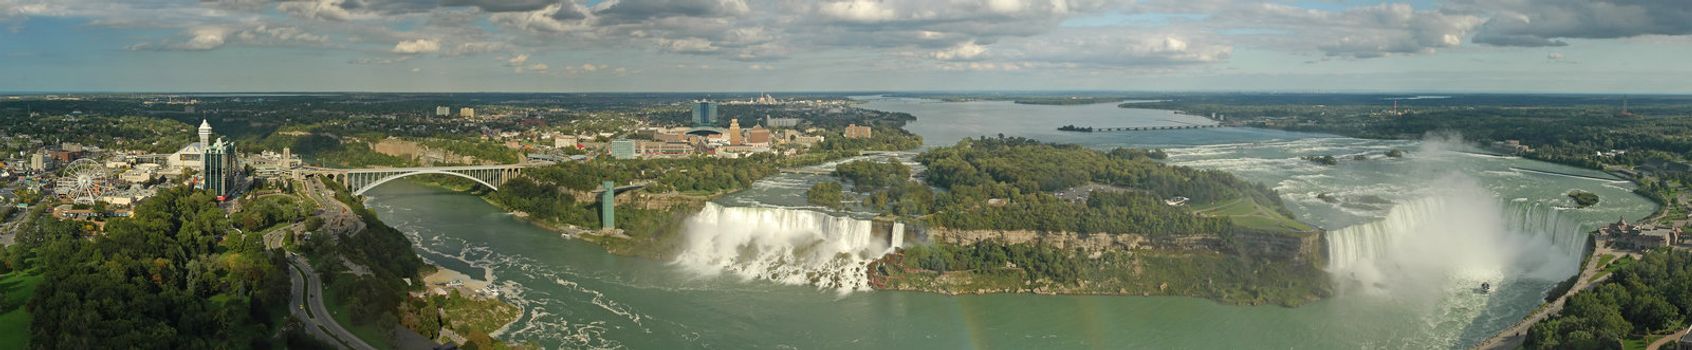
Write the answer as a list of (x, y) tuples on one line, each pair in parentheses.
[(1252, 215), (1639, 344), (375, 337), (1613, 267), (16, 288), (1605, 259)]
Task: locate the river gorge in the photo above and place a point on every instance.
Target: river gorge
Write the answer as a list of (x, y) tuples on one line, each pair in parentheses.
[(1408, 239)]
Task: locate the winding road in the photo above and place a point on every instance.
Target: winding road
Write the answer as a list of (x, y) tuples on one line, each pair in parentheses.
[(307, 306)]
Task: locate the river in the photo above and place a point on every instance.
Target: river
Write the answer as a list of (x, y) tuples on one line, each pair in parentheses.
[(1410, 239)]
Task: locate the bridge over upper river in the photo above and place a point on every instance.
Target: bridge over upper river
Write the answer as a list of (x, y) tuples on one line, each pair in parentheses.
[(361, 180)]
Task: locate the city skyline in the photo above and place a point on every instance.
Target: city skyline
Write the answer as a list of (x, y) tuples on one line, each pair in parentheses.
[(1534, 46)]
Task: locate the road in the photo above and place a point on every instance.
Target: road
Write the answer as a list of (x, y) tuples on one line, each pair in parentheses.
[(337, 217), (308, 294)]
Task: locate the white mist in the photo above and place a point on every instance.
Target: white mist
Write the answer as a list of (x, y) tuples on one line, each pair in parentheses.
[(1457, 236), (789, 246)]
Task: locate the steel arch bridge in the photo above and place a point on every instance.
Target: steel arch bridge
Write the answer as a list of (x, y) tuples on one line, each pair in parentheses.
[(360, 180)]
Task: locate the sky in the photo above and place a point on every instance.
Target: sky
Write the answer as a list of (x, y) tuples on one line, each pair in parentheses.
[(1558, 46)]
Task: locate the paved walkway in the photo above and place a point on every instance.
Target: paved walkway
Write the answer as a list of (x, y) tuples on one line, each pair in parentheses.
[(1667, 339)]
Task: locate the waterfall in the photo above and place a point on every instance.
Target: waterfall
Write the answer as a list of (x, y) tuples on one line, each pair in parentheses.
[(789, 246), (1458, 236), (897, 237)]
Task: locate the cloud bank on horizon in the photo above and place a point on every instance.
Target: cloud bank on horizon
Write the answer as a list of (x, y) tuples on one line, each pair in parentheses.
[(1491, 45)]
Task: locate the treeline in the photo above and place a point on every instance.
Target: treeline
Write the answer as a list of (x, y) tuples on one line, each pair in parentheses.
[(545, 200), (882, 138), (262, 213), (694, 174), (828, 194), (1072, 127), (173, 276), (1007, 184), (110, 132), (325, 150), (1567, 130), (1650, 296), (1030, 166), (372, 299), (1104, 212), (485, 151), (1035, 260), (868, 175)]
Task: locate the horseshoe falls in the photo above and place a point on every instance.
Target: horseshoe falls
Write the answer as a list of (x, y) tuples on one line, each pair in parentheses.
[(1459, 236)]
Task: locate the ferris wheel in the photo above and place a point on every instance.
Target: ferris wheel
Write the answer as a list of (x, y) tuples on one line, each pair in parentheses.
[(84, 181)]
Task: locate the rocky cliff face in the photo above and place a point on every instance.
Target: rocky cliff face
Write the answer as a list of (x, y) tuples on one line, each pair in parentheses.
[(1304, 247), (1307, 247), (1067, 240)]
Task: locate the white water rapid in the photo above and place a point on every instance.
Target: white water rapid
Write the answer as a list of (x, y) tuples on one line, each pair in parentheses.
[(789, 246)]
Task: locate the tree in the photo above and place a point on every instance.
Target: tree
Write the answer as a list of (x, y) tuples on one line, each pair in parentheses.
[(827, 194)]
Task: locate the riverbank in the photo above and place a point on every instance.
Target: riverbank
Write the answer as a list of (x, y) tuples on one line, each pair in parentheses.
[(454, 307), (446, 279)]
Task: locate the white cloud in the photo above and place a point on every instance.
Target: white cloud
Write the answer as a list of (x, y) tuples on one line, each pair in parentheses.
[(319, 9), (478, 47), (1359, 32), (210, 37), (205, 38), (1085, 48), (519, 64), (556, 18), (688, 45), (858, 11), (380, 60), (1548, 22), (962, 52), (417, 46)]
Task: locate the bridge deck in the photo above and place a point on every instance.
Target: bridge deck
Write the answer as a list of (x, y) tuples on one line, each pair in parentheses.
[(1150, 128), (415, 169)]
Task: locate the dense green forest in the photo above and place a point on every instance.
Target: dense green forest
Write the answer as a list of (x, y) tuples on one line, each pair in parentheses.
[(262, 213), (828, 194), (174, 276), (1024, 174), (1650, 296), (1021, 184), (868, 175)]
